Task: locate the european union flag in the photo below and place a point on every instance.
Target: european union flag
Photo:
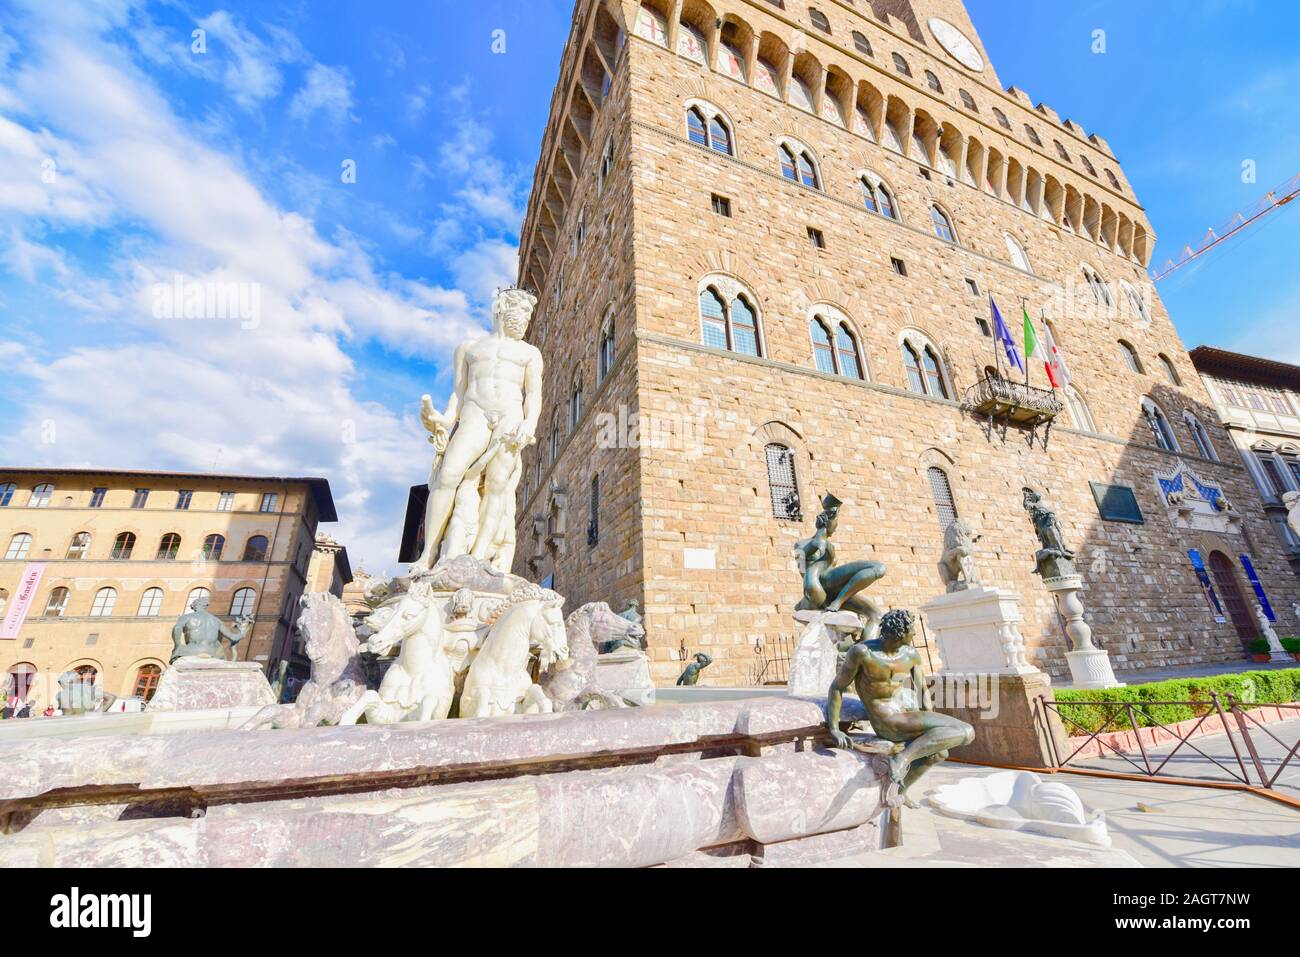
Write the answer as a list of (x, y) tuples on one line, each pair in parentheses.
[(1003, 335)]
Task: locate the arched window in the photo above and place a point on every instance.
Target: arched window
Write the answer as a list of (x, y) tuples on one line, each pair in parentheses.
[(242, 603), (213, 546), (7, 493), (575, 403), (1160, 427), (1019, 259), (819, 20), (41, 496), (123, 546), (1201, 437), (605, 350), (925, 373), (255, 549), (1061, 151), (719, 136), (933, 83), (21, 678), (79, 546), (1080, 414), (651, 25), (1002, 119), (706, 126), (862, 43), (901, 65), (835, 348), (945, 506), (557, 435), (58, 603), (942, 225), (782, 483), (1033, 135), (150, 603), (968, 101), (877, 198), (1087, 164), (1114, 180), (696, 128), (169, 547), (146, 681), (1135, 301), (1130, 357), (1100, 291), (731, 326), (1170, 372), (798, 165), (194, 595), (19, 546), (103, 604)]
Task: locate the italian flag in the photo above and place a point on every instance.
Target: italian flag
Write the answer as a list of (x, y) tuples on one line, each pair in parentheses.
[(1034, 350)]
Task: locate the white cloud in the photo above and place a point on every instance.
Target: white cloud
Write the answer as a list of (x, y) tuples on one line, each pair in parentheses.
[(328, 91), (252, 72)]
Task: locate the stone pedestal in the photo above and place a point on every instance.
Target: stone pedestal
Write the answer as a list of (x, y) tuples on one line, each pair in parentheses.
[(207, 684), (1010, 729), (816, 660), (1089, 665), (626, 674), (978, 631)]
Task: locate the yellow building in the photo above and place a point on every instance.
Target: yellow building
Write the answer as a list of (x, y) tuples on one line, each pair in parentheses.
[(97, 565)]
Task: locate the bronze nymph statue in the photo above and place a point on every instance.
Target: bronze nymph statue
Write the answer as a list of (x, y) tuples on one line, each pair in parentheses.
[(898, 713), (828, 587)]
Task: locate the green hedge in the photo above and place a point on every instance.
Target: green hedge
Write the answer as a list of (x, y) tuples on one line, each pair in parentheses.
[(1250, 688)]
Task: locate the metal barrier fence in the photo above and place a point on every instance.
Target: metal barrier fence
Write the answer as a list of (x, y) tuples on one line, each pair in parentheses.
[(772, 661), (1251, 762)]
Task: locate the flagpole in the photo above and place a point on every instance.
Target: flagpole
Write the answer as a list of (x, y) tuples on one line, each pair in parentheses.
[(1024, 309), (997, 365)]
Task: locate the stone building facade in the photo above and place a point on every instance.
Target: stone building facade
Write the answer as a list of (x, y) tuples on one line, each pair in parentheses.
[(112, 558), (1258, 402), (764, 236)]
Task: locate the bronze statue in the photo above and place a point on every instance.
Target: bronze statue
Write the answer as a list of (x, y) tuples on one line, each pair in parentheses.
[(828, 587), (691, 676), (198, 633), (1054, 559), (898, 713)]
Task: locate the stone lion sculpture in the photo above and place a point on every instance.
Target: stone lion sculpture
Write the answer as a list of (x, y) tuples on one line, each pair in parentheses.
[(337, 678), (958, 562)]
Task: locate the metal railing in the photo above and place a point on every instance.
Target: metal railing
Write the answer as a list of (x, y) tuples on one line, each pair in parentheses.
[(1244, 733), (996, 393), (772, 661)]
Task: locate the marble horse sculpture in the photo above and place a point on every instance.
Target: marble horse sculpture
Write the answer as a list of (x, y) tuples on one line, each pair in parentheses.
[(421, 684), (901, 714), (499, 682), (571, 684), (338, 679), (831, 587)]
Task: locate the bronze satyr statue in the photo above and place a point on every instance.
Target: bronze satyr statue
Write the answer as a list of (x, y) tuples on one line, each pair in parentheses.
[(1054, 559), (691, 676), (899, 714), (198, 633), (828, 587)]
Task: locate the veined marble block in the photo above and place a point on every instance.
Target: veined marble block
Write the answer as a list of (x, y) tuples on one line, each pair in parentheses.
[(207, 684)]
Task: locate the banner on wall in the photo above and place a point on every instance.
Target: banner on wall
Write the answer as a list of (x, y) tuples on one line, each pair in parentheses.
[(22, 600), (1207, 586), (1256, 584)]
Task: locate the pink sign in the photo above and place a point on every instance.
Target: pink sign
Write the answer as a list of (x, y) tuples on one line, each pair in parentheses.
[(17, 613)]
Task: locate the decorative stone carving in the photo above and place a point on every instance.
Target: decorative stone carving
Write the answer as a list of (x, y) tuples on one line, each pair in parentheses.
[(1195, 504), (198, 633), (1275, 650), (1021, 800), (978, 632), (817, 653), (898, 713), (958, 563), (491, 417), (576, 683), (831, 587), (1292, 502), (206, 684), (337, 677)]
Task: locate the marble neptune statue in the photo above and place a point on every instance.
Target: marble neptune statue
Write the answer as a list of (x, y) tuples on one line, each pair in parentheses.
[(491, 417)]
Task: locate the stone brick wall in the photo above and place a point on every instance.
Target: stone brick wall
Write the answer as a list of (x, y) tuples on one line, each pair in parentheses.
[(703, 496)]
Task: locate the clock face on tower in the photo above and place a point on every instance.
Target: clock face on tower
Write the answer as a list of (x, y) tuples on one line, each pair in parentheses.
[(955, 42)]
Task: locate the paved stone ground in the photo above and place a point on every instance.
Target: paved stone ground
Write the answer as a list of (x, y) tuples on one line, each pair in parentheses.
[(1185, 826), (1188, 763)]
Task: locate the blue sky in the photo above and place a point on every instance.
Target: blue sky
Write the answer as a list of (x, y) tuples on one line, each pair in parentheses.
[(129, 158)]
